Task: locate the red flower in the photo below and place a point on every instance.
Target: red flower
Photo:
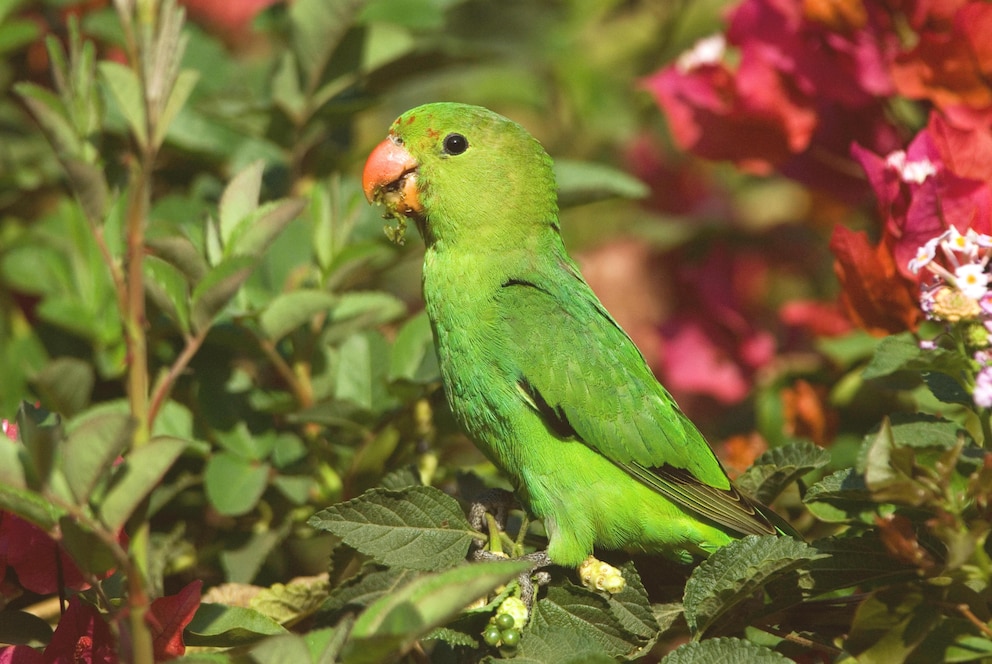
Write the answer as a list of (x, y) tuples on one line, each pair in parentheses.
[(167, 618), (951, 63), (874, 294), (82, 636), (812, 77)]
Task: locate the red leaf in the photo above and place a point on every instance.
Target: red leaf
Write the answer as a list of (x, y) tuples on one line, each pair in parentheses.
[(167, 618), (874, 295), (21, 655), (82, 637)]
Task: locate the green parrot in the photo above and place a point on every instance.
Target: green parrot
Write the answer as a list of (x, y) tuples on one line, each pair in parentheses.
[(535, 370)]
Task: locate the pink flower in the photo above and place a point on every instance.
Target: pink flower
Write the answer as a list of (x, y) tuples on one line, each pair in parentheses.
[(808, 82)]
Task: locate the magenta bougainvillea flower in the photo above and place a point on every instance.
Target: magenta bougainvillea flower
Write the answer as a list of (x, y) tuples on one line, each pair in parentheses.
[(808, 81)]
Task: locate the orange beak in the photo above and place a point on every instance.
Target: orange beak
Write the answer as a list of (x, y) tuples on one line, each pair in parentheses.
[(390, 178)]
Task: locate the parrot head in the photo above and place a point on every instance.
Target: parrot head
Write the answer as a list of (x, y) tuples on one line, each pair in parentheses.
[(462, 172)]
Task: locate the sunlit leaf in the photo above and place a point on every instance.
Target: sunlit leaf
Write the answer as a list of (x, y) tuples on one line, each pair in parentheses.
[(418, 527)]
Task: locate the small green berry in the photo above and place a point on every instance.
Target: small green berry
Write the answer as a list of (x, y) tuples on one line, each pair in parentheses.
[(505, 621), (511, 638), (492, 635)]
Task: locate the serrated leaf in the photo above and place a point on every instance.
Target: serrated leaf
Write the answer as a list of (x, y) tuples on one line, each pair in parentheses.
[(360, 591), (125, 88), (219, 287), (855, 561), (134, 479), (632, 607), (452, 637), (723, 650), (91, 447), (733, 573), (393, 622), (418, 527), (572, 624), (289, 603), (889, 470), (234, 484), (219, 626), (288, 311), (840, 496), (779, 467)]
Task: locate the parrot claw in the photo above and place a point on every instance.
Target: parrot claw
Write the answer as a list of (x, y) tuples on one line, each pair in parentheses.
[(528, 581), (494, 501)]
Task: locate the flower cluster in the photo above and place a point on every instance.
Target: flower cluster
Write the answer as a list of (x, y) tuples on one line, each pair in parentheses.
[(957, 293)]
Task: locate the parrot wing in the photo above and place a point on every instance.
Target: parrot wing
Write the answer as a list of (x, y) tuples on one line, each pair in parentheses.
[(583, 375)]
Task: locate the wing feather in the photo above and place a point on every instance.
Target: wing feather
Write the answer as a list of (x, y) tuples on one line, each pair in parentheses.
[(603, 393)]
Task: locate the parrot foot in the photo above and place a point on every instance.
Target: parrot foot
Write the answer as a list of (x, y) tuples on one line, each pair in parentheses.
[(494, 501), (528, 581), (597, 575)]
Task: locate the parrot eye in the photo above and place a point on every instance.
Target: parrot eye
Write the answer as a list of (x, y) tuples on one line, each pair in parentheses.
[(455, 144)]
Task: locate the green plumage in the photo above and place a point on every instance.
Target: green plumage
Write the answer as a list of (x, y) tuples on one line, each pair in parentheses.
[(537, 371)]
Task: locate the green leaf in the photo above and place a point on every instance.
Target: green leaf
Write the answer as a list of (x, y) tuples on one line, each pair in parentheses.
[(66, 384), (413, 357), (240, 198), (29, 505), (586, 182), (93, 444), (841, 496), (23, 628), (41, 434), (219, 287), (361, 372), (134, 479), (890, 624), (418, 527), (572, 624), (779, 467), (632, 607), (723, 650), (947, 388), (219, 626), (234, 484), (242, 564), (889, 470), (317, 29), (169, 289), (733, 573), (289, 603), (288, 311), (88, 551), (259, 228), (50, 114), (362, 590), (393, 622), (182, 88), (126, 90), (855, 561)]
